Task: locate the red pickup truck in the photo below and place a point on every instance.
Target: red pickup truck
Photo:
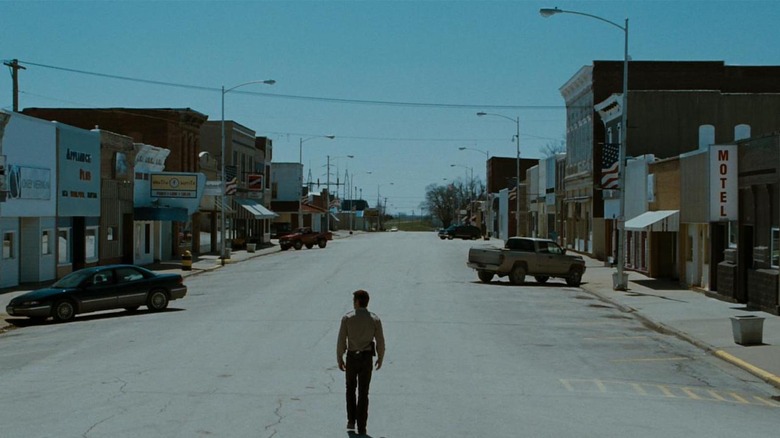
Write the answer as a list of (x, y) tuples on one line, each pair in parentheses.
[(304, 237)]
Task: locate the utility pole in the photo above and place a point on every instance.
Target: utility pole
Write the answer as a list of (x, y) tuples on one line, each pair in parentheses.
[(15, 67)]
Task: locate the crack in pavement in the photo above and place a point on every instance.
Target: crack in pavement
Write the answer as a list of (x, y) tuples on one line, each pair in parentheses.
[(279, 417)]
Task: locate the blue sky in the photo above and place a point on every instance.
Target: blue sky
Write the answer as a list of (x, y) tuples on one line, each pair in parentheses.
[(397, 82)]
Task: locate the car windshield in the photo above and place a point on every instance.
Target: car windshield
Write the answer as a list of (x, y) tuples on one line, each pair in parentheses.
[(73, 279)]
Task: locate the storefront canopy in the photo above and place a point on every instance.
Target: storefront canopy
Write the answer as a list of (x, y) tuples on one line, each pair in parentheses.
[(255, 209), (169, 214), (662, 220)]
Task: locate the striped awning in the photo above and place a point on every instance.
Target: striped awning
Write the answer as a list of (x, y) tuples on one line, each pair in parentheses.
[(255, 209)]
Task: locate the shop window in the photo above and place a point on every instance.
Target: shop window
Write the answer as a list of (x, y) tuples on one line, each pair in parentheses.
[(733, 234), (8, 245), (776, 247), (63, 245), (91, 243), (46, 242), (147, 238)]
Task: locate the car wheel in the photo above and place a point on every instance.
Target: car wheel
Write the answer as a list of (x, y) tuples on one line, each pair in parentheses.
[(517, 275), (309, 245), (322, 243), (157, 301), (575, 278), (63, 311), (298, 245), (541, 278), (285, 247), (485, 276), (131, 309)]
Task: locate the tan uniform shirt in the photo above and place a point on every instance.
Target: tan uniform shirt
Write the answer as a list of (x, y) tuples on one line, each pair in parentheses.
[(358, 328)]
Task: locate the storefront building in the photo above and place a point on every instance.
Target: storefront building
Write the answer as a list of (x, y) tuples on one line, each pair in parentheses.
[(28, 223), (117, 161), (78, 198), (160, 200)]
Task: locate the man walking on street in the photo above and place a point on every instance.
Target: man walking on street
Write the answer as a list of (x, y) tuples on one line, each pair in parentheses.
[(360, 337)]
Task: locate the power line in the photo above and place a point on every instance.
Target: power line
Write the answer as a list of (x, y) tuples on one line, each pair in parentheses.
[(299, 97)]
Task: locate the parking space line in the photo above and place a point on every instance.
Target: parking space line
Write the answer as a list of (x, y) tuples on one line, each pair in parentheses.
[(667, 391)]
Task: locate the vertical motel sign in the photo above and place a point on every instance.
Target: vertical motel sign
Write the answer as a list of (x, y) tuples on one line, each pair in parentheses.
[(723, 183)]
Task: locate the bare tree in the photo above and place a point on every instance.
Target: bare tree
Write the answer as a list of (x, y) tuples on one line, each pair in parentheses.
[(554, 147), (444, 201)]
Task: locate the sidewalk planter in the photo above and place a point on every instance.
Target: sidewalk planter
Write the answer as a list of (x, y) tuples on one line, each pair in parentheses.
[(748, 329), (251, 247)]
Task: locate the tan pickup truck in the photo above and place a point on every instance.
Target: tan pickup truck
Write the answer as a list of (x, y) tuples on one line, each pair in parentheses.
[(523, 256)]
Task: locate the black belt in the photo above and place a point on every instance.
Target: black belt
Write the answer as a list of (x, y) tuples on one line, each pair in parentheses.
[(360, 352)]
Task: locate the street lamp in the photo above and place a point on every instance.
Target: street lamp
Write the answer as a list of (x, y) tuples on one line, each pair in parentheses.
[(517, 158), (470, 186), (620, 279), (379, 203), (224, 183), (327, 192), (488, 219), (300, 161), (353, 208)]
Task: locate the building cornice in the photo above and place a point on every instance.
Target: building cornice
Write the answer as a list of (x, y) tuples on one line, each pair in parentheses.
[(581, 82)]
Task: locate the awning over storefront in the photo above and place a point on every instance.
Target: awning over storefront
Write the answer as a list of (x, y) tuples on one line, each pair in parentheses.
[(662, 220), (174, 214), (255, 209)]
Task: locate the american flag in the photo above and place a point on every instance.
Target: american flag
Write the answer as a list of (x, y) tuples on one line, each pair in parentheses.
[(231, 186), (610, 166)]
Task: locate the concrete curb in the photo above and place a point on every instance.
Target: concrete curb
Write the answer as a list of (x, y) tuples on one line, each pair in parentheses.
[(666, 329)]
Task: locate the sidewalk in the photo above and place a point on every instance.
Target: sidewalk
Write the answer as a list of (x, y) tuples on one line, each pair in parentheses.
[(692, 316), (204, 263)]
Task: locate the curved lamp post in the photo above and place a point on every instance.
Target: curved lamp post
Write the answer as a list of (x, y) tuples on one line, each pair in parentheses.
[(300, 161), (488, 219), (224, 183), (517, 158), (620, 280), (470, 187)]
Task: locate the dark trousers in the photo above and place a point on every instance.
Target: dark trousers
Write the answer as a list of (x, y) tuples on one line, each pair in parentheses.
[(359, 367)]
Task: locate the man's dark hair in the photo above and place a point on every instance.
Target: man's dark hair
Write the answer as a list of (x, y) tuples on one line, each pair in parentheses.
[(361, 297)]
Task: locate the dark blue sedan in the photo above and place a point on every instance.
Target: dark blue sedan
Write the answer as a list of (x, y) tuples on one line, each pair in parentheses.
[(100, 288)]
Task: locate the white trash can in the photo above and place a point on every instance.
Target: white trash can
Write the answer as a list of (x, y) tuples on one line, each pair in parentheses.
[(748, 329)]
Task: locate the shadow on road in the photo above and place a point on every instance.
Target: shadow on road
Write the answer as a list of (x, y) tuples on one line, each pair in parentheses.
[(27, 322)]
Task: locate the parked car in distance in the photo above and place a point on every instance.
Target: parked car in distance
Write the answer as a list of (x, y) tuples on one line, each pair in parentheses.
[(304, 236), (99, 288), (523, 256), (465, 232)]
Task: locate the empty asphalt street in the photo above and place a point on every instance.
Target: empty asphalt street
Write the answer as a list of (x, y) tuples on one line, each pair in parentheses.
[(251, 352)]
